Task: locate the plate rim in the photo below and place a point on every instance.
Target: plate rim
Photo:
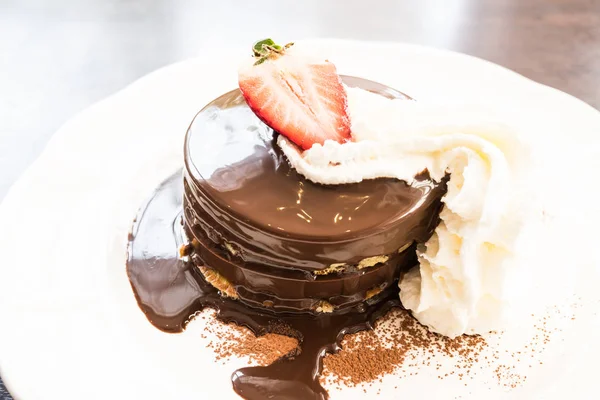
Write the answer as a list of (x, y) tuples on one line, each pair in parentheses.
[(61, 134)]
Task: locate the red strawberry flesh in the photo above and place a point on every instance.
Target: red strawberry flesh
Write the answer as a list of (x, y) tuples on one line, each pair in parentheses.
[(302, 100)]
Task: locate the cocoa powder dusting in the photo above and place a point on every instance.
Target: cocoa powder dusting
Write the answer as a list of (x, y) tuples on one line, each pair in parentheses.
[(362, 359), (237, 341), (394, 346), (402, 346), (268, 348)]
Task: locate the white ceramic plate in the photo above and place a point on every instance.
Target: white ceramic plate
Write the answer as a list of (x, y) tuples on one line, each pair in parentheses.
[(70, 327)]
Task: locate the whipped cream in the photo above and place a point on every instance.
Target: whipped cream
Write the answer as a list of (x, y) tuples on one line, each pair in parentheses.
[(462, 285)]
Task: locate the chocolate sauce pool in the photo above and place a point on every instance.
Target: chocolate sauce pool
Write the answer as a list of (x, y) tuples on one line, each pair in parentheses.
[(169, 291)]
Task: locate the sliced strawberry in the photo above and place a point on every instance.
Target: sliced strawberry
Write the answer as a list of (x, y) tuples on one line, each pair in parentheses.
[(299, 98)]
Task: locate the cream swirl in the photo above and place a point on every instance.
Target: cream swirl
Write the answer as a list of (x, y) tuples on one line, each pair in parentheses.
[(461, 284)]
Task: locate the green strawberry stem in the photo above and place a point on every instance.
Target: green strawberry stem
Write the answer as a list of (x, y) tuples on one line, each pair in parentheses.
[(267, 49)]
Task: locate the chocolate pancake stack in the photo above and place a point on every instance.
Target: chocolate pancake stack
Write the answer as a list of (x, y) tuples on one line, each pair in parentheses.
[(270, 239)]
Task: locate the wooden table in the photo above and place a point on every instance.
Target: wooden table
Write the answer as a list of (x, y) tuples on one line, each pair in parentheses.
[(60, 56)]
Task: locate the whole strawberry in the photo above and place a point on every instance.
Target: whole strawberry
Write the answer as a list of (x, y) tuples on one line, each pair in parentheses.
[(301, 99)]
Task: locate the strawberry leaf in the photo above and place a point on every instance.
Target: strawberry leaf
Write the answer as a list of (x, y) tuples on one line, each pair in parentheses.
[(263, 47)]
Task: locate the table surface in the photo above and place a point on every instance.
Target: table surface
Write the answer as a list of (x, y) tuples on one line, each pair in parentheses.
[(60, 56)]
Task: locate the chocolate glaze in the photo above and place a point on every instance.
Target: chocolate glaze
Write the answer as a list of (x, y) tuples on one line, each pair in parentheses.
[(266, 229), (170, 292), (241, 189)]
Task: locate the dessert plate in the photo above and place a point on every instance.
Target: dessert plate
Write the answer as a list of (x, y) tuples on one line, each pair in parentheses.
[(71, 328)]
